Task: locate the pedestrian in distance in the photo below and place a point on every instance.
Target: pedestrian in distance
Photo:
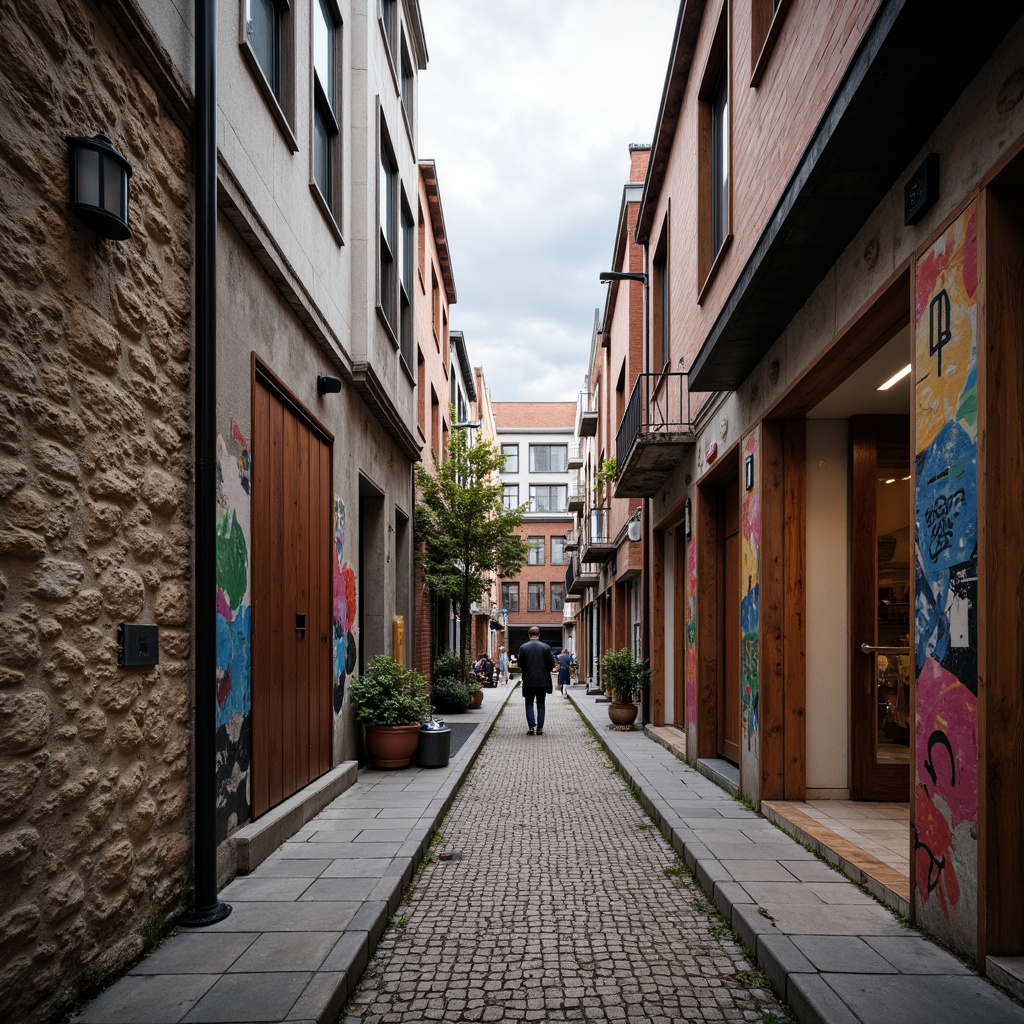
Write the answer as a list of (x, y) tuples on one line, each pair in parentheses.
[(485, 670), (502, 666), (536, 663), (564, 661)]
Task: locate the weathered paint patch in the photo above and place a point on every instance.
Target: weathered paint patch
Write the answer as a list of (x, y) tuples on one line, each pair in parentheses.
[(750, 616), (233, 631), (344, 609), (946, 579)]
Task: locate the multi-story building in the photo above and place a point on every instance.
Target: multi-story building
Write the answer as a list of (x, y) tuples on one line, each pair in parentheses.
[(535, 438), (287, 571), (830, 422)]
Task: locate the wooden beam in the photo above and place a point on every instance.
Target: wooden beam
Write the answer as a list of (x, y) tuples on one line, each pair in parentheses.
[(794, 626)]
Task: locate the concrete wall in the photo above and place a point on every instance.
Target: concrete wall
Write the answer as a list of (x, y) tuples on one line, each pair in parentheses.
[(827, 590), (95, 511)]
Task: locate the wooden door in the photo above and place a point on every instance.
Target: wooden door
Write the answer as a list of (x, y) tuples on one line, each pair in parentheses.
[(729, 698), (291, 603), (881, 706)]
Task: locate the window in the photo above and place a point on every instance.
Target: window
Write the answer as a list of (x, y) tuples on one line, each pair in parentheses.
[(549, 458), (510, 597), (268, 46), (548, 497), (511, 453), (557, 596), (408, 83), (535, 550), (405, 263), (421, 243), (713, 171), (535, 598), (387, 213), (659, 302), (435, 308), (510, 498), (389, 22), (558, 551), (326, 106), (766, 17)]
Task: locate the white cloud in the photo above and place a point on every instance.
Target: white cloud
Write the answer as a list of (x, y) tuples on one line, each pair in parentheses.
[(528, 108)]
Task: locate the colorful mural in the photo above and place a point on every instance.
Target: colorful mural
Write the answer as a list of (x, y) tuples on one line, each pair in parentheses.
[(691, 643), (234, 628), (344, 609), (750, 552), (946, 579)]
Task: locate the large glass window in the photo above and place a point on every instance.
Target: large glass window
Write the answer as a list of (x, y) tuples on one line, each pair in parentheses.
[(548, 497), (405, 262), (263, 29), (535, 550), (408, 82), (326, 104), (558, 551), (510, 597), (557, 596), (720, 162), (510, 498), (389, 19), (511, 453), (549, 458), (535, 598), (387, 197)]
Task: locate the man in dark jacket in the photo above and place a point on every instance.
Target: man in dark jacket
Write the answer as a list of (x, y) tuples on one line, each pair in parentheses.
[(536, 662)]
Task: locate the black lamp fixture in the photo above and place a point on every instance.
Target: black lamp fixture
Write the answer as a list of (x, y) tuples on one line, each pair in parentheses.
[(99, 185), (608, 276), (327, 385)]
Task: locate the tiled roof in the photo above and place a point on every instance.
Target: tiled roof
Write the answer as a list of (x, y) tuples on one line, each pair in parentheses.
[(534, 414)]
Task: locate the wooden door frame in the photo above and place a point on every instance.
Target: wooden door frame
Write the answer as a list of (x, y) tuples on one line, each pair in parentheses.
[(263, 376)]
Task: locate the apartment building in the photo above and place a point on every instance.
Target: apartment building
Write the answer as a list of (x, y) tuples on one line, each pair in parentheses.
[(831, 224), (536, 438)]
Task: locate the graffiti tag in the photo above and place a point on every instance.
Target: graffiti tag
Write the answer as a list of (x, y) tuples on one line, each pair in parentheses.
[(939, 333), (939, 521)]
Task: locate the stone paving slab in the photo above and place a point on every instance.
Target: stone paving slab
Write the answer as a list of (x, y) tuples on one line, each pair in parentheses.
[(304, 924), (834, 954)]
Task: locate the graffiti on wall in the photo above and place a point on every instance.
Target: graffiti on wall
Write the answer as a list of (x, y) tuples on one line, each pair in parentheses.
[(946, 579), (750, 537), (344, 609), (234, 631), (691, 637)]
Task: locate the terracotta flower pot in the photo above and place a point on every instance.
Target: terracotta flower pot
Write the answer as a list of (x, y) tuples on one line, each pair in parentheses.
[(476, 699), (392, 746), (622, 714)]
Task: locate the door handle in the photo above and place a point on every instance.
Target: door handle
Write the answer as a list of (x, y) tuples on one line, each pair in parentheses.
[(870, 649), (300, 622)]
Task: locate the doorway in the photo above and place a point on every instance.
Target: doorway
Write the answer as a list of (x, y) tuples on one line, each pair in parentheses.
[(729, 626), (291, 606), (880, 622)]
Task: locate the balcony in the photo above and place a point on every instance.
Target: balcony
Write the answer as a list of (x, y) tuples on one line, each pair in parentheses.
[(575, 457), (577, 498), (578, 578), (572, 540), (597, 545), (655, 434), (586, 415)]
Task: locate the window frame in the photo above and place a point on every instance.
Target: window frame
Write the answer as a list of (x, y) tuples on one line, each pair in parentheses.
[(405, 280), (712, 142), (660, 299), (388, 205), (560, 559), (387, 15), (553, 590), (322, 106), (510, 596), (766, 18), (510, 489), (279, 96), (508, 455), (533, 588), (535, 550), (407, 86), (564, 508), (549, 448)]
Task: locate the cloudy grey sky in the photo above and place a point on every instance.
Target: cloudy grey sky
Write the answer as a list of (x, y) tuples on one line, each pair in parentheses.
[(528, 107)]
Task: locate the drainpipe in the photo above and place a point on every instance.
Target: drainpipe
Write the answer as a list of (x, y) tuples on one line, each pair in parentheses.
[(206, 908), (645, 518)]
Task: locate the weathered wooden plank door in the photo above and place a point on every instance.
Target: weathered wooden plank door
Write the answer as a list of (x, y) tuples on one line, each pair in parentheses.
[(291, 578), (729, 703)]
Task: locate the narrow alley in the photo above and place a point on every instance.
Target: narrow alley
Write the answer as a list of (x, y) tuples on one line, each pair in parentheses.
[(552, 896)]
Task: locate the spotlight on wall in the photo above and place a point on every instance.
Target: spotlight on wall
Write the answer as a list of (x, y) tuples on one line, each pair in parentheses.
[(328, 385), (99, 185)]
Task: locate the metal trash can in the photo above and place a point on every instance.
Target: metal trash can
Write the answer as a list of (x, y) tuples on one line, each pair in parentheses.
[(435, 744)]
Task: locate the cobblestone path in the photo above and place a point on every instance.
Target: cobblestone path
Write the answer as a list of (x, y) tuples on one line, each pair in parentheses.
[(565, 904)]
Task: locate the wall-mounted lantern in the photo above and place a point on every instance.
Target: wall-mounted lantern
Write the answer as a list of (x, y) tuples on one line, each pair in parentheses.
[(99, 185), (748, 472), (633, 529), (326, 385), (687, 519)]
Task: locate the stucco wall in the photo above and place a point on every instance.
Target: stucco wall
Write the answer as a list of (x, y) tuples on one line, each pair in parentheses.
[(95, 512)]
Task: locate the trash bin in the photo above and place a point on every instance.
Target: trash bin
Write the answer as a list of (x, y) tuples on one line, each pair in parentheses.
[(435, 744)]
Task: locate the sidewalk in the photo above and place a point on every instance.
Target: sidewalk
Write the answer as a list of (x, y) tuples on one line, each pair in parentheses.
[(305, 922), (832, 952)]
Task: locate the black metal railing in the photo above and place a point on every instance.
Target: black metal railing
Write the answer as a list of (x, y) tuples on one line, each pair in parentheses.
[(659, 403)]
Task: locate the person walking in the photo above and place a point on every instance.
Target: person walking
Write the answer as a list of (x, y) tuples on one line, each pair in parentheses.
[(536, 663), (564, 661), (502, 666)]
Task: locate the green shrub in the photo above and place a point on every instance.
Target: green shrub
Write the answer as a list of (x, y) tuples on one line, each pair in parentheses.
[(388, 693), (449, 666), (449, 696), (623, 677)]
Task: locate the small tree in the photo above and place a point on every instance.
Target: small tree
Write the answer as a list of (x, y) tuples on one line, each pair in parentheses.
[(465, 531)]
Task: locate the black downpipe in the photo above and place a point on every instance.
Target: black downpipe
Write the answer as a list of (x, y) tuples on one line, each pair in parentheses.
[(206, 908)]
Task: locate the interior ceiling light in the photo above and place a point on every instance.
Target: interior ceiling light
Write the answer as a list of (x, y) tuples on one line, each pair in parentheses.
[(895, 378)]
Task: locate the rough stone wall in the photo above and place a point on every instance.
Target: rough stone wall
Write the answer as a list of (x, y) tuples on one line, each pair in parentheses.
[(95, 454)]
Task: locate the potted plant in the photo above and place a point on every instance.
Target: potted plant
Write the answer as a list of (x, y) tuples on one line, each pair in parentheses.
[(624, 680), (449, 693), (391, 701)]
